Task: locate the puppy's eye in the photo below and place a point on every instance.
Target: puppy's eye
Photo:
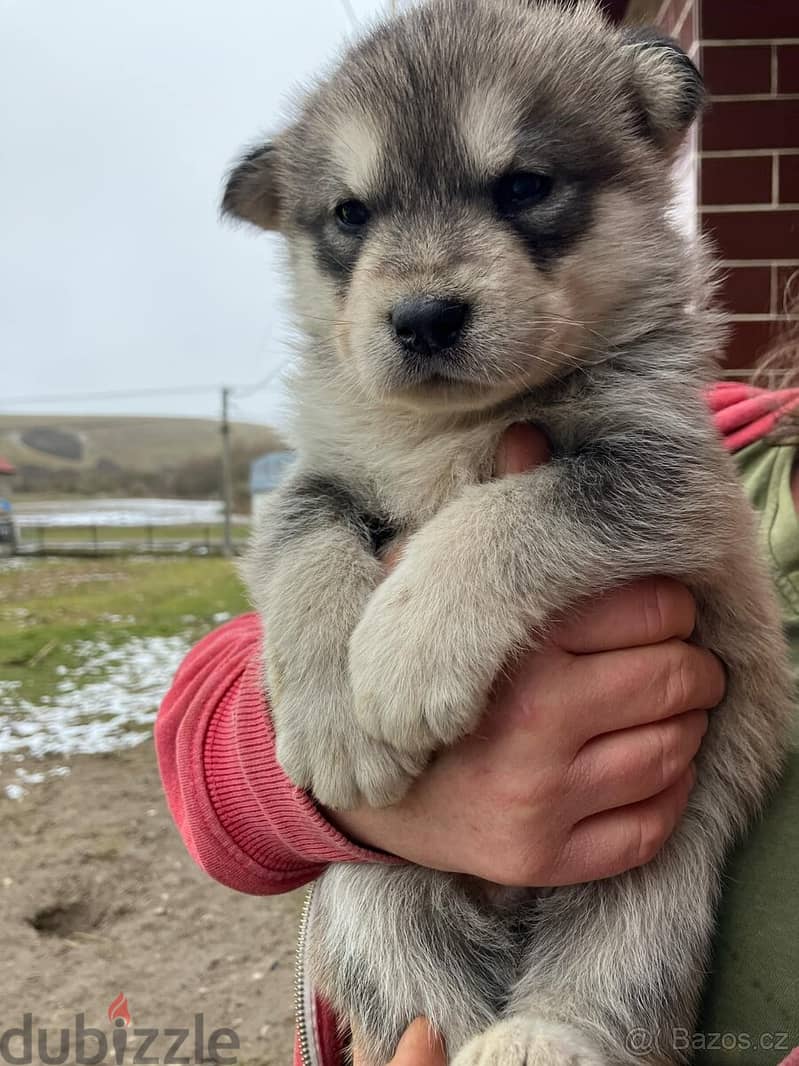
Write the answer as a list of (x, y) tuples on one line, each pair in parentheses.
[(352, 214), (521, 189)]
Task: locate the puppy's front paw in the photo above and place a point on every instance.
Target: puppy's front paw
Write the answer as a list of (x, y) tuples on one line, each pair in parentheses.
[(526, 1041), (416, 685), (345, 768)]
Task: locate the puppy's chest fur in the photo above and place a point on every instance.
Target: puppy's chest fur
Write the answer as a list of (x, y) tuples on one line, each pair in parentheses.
[(402, 471), (403, 468)]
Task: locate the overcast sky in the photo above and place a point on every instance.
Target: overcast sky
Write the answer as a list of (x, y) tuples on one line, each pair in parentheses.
[(119, 118)]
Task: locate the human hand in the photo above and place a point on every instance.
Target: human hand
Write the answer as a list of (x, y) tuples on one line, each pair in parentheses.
[(419, 1046), (581, 767)]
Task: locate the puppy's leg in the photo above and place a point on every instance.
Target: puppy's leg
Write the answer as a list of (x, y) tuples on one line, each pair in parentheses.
[(389, 944), (310, 572), (614, 968), (501, 560)]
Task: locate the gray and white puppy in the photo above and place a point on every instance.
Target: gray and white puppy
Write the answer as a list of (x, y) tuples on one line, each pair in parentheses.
[(475, 203)]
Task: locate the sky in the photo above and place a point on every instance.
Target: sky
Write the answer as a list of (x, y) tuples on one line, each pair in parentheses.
[(119, 119)]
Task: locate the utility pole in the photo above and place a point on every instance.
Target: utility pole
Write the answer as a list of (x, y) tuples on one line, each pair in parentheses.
[(227, 475)]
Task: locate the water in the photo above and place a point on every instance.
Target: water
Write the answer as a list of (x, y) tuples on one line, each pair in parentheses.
[(117, 512)]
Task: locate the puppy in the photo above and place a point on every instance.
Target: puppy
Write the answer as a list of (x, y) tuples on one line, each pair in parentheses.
[(475, 206)]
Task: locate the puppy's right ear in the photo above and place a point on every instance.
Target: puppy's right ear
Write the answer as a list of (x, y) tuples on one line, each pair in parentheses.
[(251, 190), (667, 86)]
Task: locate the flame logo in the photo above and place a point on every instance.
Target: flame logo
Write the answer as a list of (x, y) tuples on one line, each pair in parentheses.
[(118, 1008)]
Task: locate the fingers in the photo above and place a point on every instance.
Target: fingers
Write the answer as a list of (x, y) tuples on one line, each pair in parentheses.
[(393, 554), (420, 1046), (521, 448), (624, 768), (610, 843), (624, 689), (645, 612)]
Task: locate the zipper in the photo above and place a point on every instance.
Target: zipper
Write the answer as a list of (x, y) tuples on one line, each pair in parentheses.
[(303, 995)]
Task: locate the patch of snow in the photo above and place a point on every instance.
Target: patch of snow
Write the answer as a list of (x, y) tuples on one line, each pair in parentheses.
[(119, 512), (87, 715), (13, 562)]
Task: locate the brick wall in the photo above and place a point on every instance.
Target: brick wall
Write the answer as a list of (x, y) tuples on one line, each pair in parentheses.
[(749, 159)]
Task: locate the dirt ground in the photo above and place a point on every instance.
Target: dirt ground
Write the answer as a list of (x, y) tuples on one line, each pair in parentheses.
[(98, 897)]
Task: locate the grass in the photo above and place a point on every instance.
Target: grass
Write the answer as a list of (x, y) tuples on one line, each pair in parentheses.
[(48, 606)]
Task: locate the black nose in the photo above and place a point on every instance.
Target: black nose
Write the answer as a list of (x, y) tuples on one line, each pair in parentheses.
[(425, 325)]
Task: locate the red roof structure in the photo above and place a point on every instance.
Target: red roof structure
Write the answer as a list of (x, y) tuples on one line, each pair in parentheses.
[(6, 467)]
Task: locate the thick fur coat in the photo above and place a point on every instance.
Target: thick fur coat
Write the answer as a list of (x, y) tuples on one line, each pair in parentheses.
[(476, 208)]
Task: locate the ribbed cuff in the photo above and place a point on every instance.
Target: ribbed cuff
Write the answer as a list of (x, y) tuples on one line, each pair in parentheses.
[(274, 824)]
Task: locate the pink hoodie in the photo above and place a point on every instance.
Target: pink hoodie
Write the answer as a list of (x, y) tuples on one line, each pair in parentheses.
[(240, 817)]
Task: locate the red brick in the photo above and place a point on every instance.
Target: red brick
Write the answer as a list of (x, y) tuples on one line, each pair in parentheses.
[(788, 68), (734, 180), (754, 234), (751, 124), (758, 19), (748, 342), (745, 69), (789, 179), (747, 290)]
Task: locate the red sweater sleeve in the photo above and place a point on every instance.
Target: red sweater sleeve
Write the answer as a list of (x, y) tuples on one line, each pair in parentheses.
[(240, 817)]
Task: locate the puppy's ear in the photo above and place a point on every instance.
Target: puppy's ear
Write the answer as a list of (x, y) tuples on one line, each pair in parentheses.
[(251, 190), (667, 87)]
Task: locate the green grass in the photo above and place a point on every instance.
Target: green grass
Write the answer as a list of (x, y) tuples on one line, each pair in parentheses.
[(49, 605)]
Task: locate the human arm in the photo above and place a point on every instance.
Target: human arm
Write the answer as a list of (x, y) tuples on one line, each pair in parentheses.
[(240, 817)]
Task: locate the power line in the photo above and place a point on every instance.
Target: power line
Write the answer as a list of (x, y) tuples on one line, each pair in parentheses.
[(112, 394), (243, 391), (133, 394)]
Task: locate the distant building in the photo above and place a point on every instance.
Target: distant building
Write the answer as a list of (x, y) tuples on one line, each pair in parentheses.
[(8, 539), (266, 473)]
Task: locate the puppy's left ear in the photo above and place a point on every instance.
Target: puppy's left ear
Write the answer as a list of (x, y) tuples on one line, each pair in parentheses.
[(251, 190), (667, 87)]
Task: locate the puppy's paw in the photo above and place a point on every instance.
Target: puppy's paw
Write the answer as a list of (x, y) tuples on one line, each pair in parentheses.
[(410, 686), (529, 1041), (346, 770)]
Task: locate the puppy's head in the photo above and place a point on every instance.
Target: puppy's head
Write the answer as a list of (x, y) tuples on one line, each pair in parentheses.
[(474, 194)]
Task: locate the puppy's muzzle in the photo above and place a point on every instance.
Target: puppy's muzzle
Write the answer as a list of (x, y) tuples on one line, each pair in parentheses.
[(425, 325)]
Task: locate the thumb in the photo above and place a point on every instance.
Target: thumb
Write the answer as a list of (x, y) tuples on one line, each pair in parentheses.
[(420, 1046), (522, 447)]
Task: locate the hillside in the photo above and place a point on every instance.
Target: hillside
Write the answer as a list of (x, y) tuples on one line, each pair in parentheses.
[(122, 454)]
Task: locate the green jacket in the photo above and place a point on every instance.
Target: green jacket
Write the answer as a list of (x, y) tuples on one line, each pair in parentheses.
[(751, 1010)]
